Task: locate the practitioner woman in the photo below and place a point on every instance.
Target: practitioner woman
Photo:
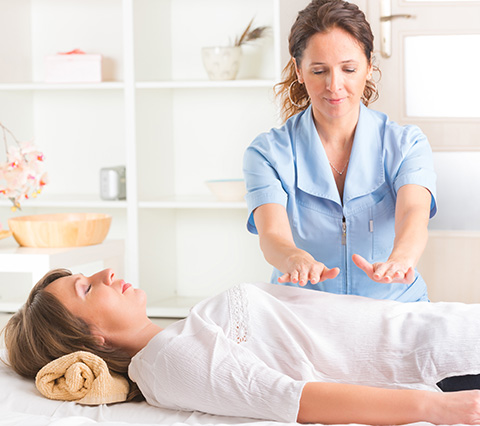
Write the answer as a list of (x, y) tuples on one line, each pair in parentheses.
[(340, 196), (263, 351)]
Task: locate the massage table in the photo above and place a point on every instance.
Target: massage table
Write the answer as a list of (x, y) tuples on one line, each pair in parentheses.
[(22, 405)]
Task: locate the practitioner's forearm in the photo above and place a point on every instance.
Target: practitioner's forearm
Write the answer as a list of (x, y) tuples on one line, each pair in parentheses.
[(343, 403), (277, 250), (276, 239), (411, 224), (411, 238), (296, 265)]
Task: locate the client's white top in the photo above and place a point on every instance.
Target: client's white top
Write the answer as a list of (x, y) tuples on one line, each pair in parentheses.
[(249, 351)]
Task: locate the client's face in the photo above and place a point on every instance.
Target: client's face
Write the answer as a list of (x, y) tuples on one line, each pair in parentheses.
[(109, 305)]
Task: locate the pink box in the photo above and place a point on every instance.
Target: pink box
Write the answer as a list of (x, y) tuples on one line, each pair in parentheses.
[(73, 68)]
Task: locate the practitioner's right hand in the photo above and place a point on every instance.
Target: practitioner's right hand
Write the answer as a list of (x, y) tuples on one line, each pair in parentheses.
[(301, 267)]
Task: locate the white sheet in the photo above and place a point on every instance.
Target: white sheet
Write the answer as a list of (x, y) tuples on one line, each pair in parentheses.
[(22, 405)]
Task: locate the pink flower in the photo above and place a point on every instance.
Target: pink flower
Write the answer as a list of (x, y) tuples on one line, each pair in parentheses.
[(21, 175)]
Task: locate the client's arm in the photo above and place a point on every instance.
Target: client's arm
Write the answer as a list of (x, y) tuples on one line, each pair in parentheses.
[(343, 403)]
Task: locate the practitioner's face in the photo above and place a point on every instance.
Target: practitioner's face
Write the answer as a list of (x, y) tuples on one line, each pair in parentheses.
[(109, 305), (335, 70)]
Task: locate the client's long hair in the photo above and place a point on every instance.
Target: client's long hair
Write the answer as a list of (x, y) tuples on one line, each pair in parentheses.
[(44, 330)]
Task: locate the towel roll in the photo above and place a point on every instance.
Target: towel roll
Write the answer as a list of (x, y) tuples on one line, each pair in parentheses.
[(81, 377)]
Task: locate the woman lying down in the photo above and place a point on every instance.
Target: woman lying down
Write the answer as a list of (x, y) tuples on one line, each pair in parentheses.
[(263, 351)]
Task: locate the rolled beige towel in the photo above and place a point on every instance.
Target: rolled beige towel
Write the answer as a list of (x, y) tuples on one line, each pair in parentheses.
[(81, 377)]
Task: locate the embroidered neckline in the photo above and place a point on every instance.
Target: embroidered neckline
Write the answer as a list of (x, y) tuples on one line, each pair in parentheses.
[(238, 303)]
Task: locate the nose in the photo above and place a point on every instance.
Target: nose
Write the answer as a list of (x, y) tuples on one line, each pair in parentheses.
[(334, 81), (105, 277)]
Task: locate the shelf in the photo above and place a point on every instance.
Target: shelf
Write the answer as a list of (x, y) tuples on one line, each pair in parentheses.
[(108, 85), (68, 200), (91, 201), (204, 84), (157, 113), (37, 261), (10, 307), (173, 307), (192, 202), (113, 85)]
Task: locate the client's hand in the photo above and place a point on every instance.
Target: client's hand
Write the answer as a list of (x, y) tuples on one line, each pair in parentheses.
[(386, 272), (455, 408), (301, 267)]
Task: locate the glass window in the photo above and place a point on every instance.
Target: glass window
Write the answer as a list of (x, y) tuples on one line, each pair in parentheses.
[(442, 76), (458, 180)]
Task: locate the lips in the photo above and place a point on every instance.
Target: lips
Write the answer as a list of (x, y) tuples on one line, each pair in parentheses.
[(335, 101), (125, 287)]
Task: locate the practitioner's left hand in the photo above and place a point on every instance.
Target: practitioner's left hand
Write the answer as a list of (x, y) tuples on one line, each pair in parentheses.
[(386, 272)]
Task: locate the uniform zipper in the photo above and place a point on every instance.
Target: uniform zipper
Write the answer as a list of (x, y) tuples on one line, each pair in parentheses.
[(344, 232)]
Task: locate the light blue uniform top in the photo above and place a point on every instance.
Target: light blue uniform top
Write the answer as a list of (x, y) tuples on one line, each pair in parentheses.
[(289, 166)]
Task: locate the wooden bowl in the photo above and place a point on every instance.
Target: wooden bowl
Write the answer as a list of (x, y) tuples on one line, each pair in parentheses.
[(60, 230), (5, 234)]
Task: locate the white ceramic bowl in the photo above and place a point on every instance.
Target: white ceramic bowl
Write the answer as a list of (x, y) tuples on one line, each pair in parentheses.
[(228, 189)]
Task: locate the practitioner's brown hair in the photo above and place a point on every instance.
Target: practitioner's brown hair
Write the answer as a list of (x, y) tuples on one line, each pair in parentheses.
[(321, 16)]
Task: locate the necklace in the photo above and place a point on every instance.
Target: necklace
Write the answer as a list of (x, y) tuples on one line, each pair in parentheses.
[(338, 171)]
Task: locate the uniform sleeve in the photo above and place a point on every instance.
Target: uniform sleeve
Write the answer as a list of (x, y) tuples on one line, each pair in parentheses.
[(210, 373), (417, 164), (262, 180)]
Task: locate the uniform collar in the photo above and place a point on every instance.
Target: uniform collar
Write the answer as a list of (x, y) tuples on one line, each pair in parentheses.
[(365, 170)]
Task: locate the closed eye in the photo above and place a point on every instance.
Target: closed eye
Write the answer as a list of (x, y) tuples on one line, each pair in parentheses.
[(88, 288)]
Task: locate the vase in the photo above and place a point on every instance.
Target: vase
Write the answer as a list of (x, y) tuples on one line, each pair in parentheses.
[(222, 63)]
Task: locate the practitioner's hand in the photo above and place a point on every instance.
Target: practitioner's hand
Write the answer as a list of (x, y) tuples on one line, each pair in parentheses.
[(302, 267), (386, 272)]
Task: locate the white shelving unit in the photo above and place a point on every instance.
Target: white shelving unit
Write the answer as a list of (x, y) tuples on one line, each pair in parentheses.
[(30, 262), (157, 113)]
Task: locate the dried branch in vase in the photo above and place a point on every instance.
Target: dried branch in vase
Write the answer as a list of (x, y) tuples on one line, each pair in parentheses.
[(250, 34)]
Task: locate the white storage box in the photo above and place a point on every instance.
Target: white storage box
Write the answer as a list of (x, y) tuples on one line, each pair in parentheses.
[(73, 67)]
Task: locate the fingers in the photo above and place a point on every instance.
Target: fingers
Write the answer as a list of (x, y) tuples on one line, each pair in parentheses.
[(329, 274), (313, 274), (405, 277), (303, 277), (385, 272), (323, 274), (393, 273), (410, 276), (363, 264), (381, 272)]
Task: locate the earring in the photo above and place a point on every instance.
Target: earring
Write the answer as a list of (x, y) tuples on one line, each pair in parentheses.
[(290, 94)]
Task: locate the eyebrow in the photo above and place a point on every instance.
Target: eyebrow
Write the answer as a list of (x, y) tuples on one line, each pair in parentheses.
[(348, 61)]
